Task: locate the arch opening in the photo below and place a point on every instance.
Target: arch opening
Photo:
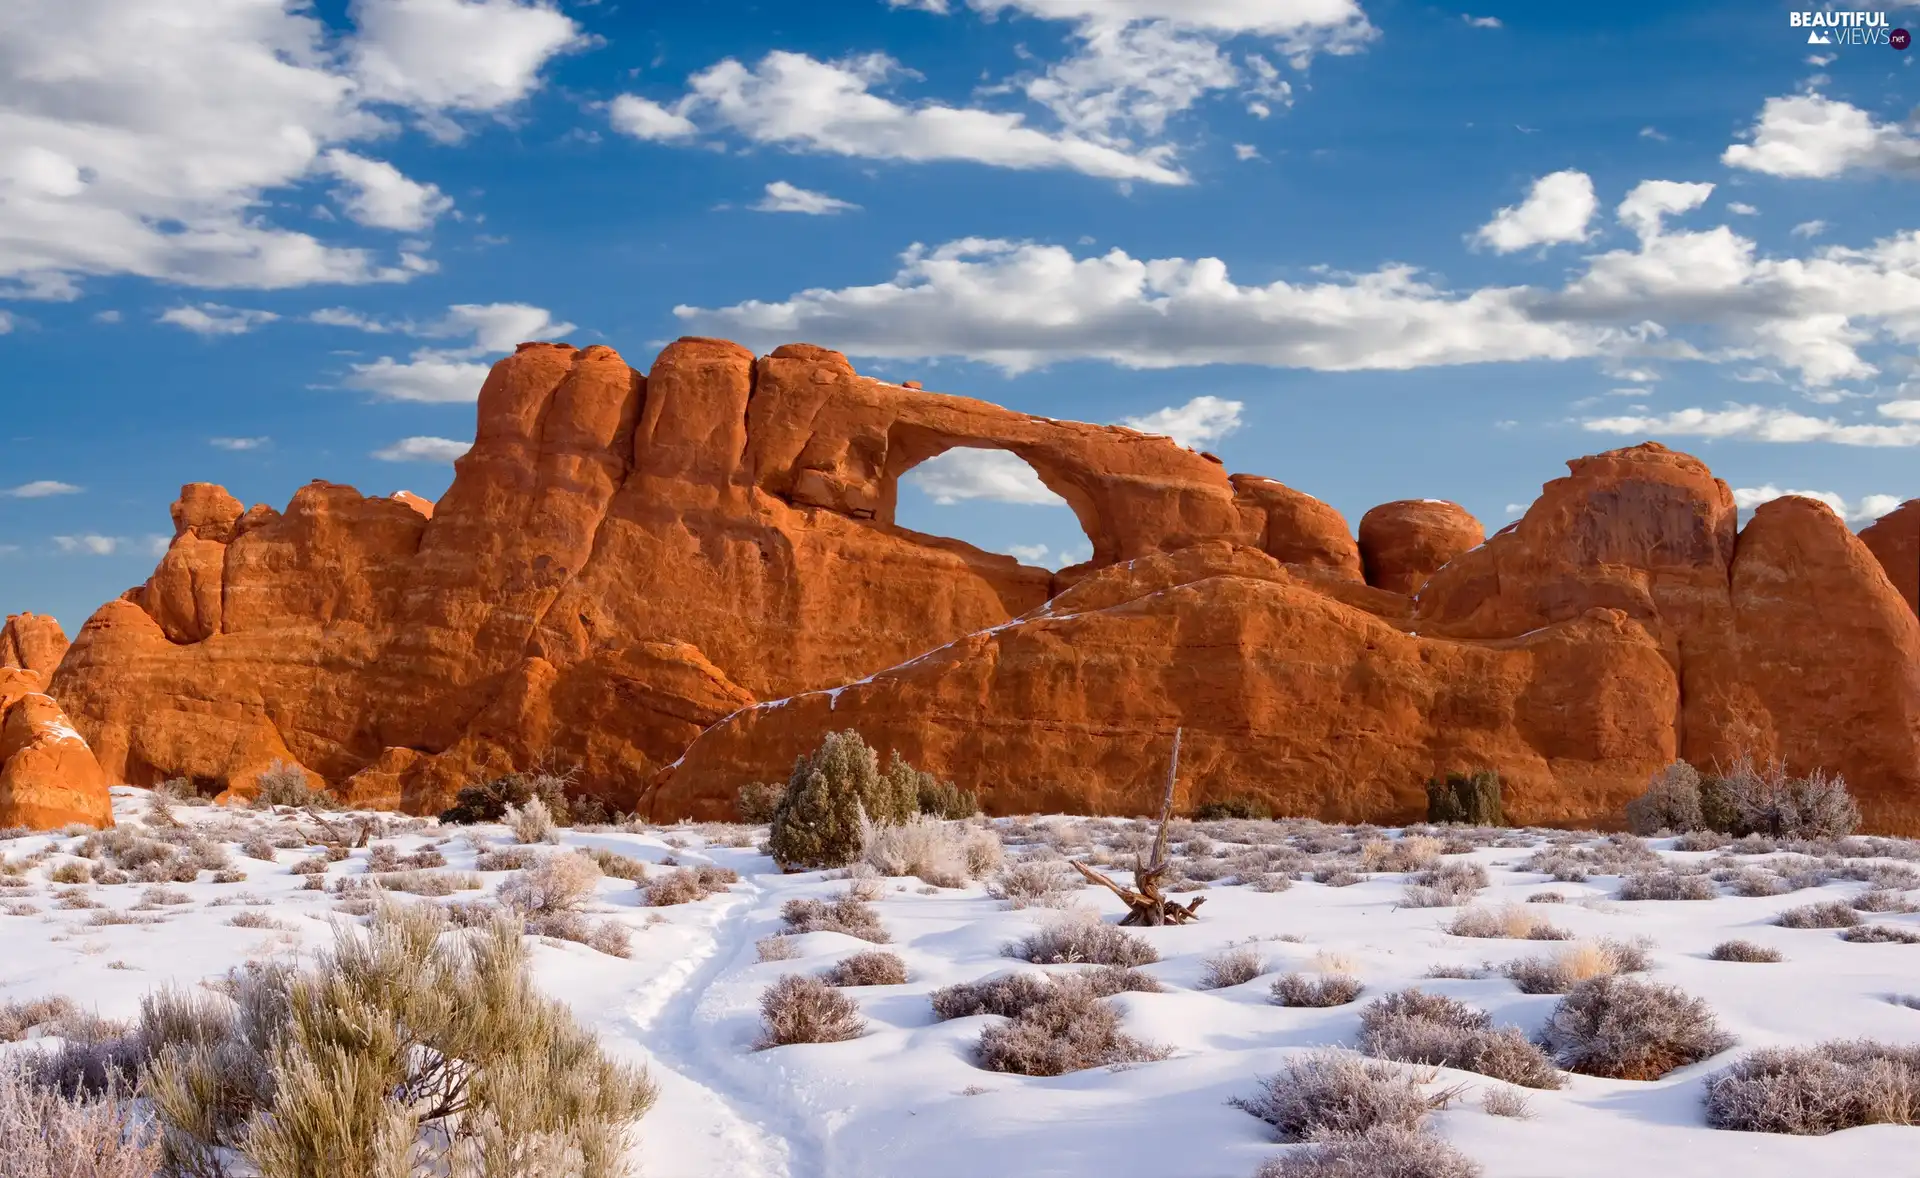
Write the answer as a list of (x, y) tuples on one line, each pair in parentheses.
[(990, 496)]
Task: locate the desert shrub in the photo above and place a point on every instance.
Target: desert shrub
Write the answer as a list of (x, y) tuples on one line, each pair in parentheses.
[(1336, 1093), (1880, 900), (1231, 967), (1671, 803), (255, 920), (1813, 1091), (1444, 885), (418, 883), (531, 822), (931, 796), (618, 866), (1469, 798), (73, 871), (1108, 980), (257, 847), (817, 822), (1506, 1102), (1557, 973), (944, 854), (1337, 877), (872, 967), (1083, 939), (18, 1017), (684, 885), (802, 1009), (1234, 806), (1385, 1151), (1667, 885), (1628, 1029), (402, 1047), (756, 801), (1297, 989), (1831, 914), (46, 1134), (846, 914), (1070, 1029), (776, 948), (556, 883), (1414, 852), (1744, 951), (1881, 934), (286, 785), (506, 858), (1416, 1027), (1046, 883), (1510, 921), (1006, 995), (488, 801)]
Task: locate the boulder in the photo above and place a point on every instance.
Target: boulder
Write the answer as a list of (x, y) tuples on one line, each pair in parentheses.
[(32, 642), (1404, 542), (49, 777)]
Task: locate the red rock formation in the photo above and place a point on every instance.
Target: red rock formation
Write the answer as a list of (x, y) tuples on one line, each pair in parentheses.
[(48, 776), (1402, 543), (32, 642), (625, 565), (1895, 539)]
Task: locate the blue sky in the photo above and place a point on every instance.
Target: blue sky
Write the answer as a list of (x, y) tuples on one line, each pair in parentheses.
[(1373, 249)]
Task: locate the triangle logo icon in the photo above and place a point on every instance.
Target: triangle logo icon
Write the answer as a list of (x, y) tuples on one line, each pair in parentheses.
[(1818, 38)]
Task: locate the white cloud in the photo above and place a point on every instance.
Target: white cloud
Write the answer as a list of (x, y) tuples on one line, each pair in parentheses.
[(453, 375), (1337, 22), (1131, 78), (211, 319), (1556, 210), (1868, 509), (994, 475), (155, 139), (1651, 201), (1813, 228), (1742, 208), (1481, 22), (1027, 553), (1811, 136), (1245, 151), (643, 118), (423, 449), (237, 444), (106, 316), (829, 107), (1759, 423), (1653, 133), (1516, 508), (40, 489), (1196, 424), (347, 317), (374, 193), (89, 544), (6, 323), (783, 197)]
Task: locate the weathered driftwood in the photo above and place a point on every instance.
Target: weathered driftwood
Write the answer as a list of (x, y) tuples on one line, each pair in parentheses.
[(1146, 904)]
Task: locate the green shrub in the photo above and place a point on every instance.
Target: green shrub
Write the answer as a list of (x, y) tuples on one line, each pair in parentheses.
[(1472, 799), (817, 822), (1236, 806), (757, 801), (489, 800)]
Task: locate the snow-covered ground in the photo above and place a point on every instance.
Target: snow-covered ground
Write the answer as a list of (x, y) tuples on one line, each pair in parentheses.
[(907, 1098)]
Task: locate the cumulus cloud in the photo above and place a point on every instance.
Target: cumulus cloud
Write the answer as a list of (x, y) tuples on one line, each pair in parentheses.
[(212, 319), (1199, 423), (1813, 137), (423, 449), (40, 489), (1760, 423), (375, 193), (783, 197), (453, 374), (1647, 206), (643, 118), (1868, 509), (6, 323), (1813, 228), (153, 140), (1741, 208), (1481, 22), (1027, 553), (238, 444), (89, 544), (965, 473), (1556, 210)]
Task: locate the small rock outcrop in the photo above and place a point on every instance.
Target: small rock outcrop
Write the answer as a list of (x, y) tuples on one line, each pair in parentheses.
[(1894, 539), (49, 778), (32, 642), (1404, 542)]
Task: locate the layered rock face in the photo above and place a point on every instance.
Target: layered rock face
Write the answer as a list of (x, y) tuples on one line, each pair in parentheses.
[(48, 775), (1895, 540), (675, 582)]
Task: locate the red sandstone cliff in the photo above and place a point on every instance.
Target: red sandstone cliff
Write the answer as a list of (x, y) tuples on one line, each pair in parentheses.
[(48, 776), (626, 563)]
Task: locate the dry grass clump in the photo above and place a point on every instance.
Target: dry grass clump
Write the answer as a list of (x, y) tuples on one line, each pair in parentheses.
[(776, 948), (18, 1017), (803, 1009), (847, 914), (1506, 1102), (1035, 883), (1667, 885), (46, 1134), (614, 865), (1831, 914), (1333, 989), (385, 857), (1813, 1091), (1507, 922), (869, 968), (1231, 967), (1881, 934), (1561, 971), (1070, 1029), (1337, 1094), (1385, 1151), (1744, 951), (417, 883), (286, 785), (553, 883), (1882, 900), (1444, 885), (944, 854), (1083, 939), (1416, 1027), (1335, 876), (1628, 1029), (531, 822), (402, 1047), (73, 871), (256, 920), (1414, 852), (1006, 995), (1618, 854), (684, 885), (506, 858)]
